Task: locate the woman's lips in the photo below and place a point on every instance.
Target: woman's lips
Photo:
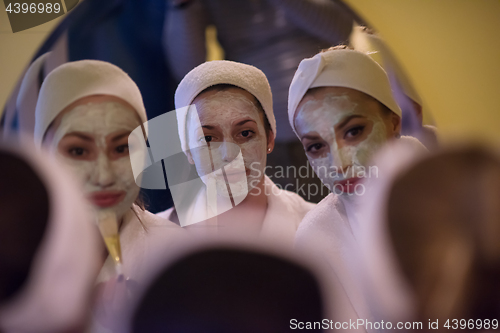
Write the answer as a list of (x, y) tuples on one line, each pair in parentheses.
[(106, 198), (347, 185), (235, 175)]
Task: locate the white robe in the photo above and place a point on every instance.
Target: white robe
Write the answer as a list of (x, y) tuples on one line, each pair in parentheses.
[(285, 211), (326, 232)]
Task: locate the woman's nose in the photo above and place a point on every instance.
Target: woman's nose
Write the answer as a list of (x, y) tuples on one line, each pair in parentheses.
[(103, 174), (229, 151), (340, 159)]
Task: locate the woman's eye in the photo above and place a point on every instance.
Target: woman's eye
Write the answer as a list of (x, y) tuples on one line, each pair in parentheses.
[(208, 138), (354, 132), (247, 133), (78, 151), (315, 147), (122, 149)]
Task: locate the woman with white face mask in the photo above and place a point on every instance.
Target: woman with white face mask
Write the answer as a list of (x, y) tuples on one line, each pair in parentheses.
[(226, 128), (85, 112), (342, 109)]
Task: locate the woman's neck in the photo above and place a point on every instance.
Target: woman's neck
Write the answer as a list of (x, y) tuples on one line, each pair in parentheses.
[(249, 214), (257, 197)]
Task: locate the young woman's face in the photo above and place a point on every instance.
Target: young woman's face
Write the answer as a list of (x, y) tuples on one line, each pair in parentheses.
[(91, 137), (340, 129), (230, 123)]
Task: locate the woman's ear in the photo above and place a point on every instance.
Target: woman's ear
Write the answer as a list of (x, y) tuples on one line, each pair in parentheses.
[(190, 157), (396, 124), (418, 110), (270, 142)]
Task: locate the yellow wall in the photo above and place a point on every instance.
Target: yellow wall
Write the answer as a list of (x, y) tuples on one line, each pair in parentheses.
[(451, 52), (16, 50), (214, 49)]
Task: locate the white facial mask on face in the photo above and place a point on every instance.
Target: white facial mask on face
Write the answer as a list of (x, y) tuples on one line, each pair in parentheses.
[(348, 161), (99, 120), (225, 108)]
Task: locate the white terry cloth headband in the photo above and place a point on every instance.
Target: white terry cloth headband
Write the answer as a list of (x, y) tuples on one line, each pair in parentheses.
[(56, 294), (341, 68), (211, 73), (75, 80)]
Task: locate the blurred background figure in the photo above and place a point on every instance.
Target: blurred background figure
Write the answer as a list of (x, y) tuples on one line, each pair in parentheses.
[(431, 247), (226, 301), (272, 35), (224, 287), (49, 247), (368, 41)]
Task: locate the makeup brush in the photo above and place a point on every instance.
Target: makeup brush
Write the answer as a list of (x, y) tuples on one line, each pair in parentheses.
[(108, 226)]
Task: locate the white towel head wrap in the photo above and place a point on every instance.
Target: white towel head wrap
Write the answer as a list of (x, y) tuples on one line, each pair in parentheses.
[(340, 68), (212, 73), (75, 80)]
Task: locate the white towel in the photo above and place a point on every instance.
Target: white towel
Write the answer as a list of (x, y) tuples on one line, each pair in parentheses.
[(285, 211), (326, 232), (55, 296), (75, 80), (28, 93), (340, 68), (216, 72)]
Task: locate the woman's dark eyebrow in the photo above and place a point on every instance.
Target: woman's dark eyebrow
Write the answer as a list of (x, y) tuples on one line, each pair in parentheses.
[(116, 138), (244, 122), (310, 137), (346, 120), (81, 136)]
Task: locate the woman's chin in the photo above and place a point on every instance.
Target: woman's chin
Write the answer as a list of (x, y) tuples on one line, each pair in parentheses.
[(236, 189), (120, 209)]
